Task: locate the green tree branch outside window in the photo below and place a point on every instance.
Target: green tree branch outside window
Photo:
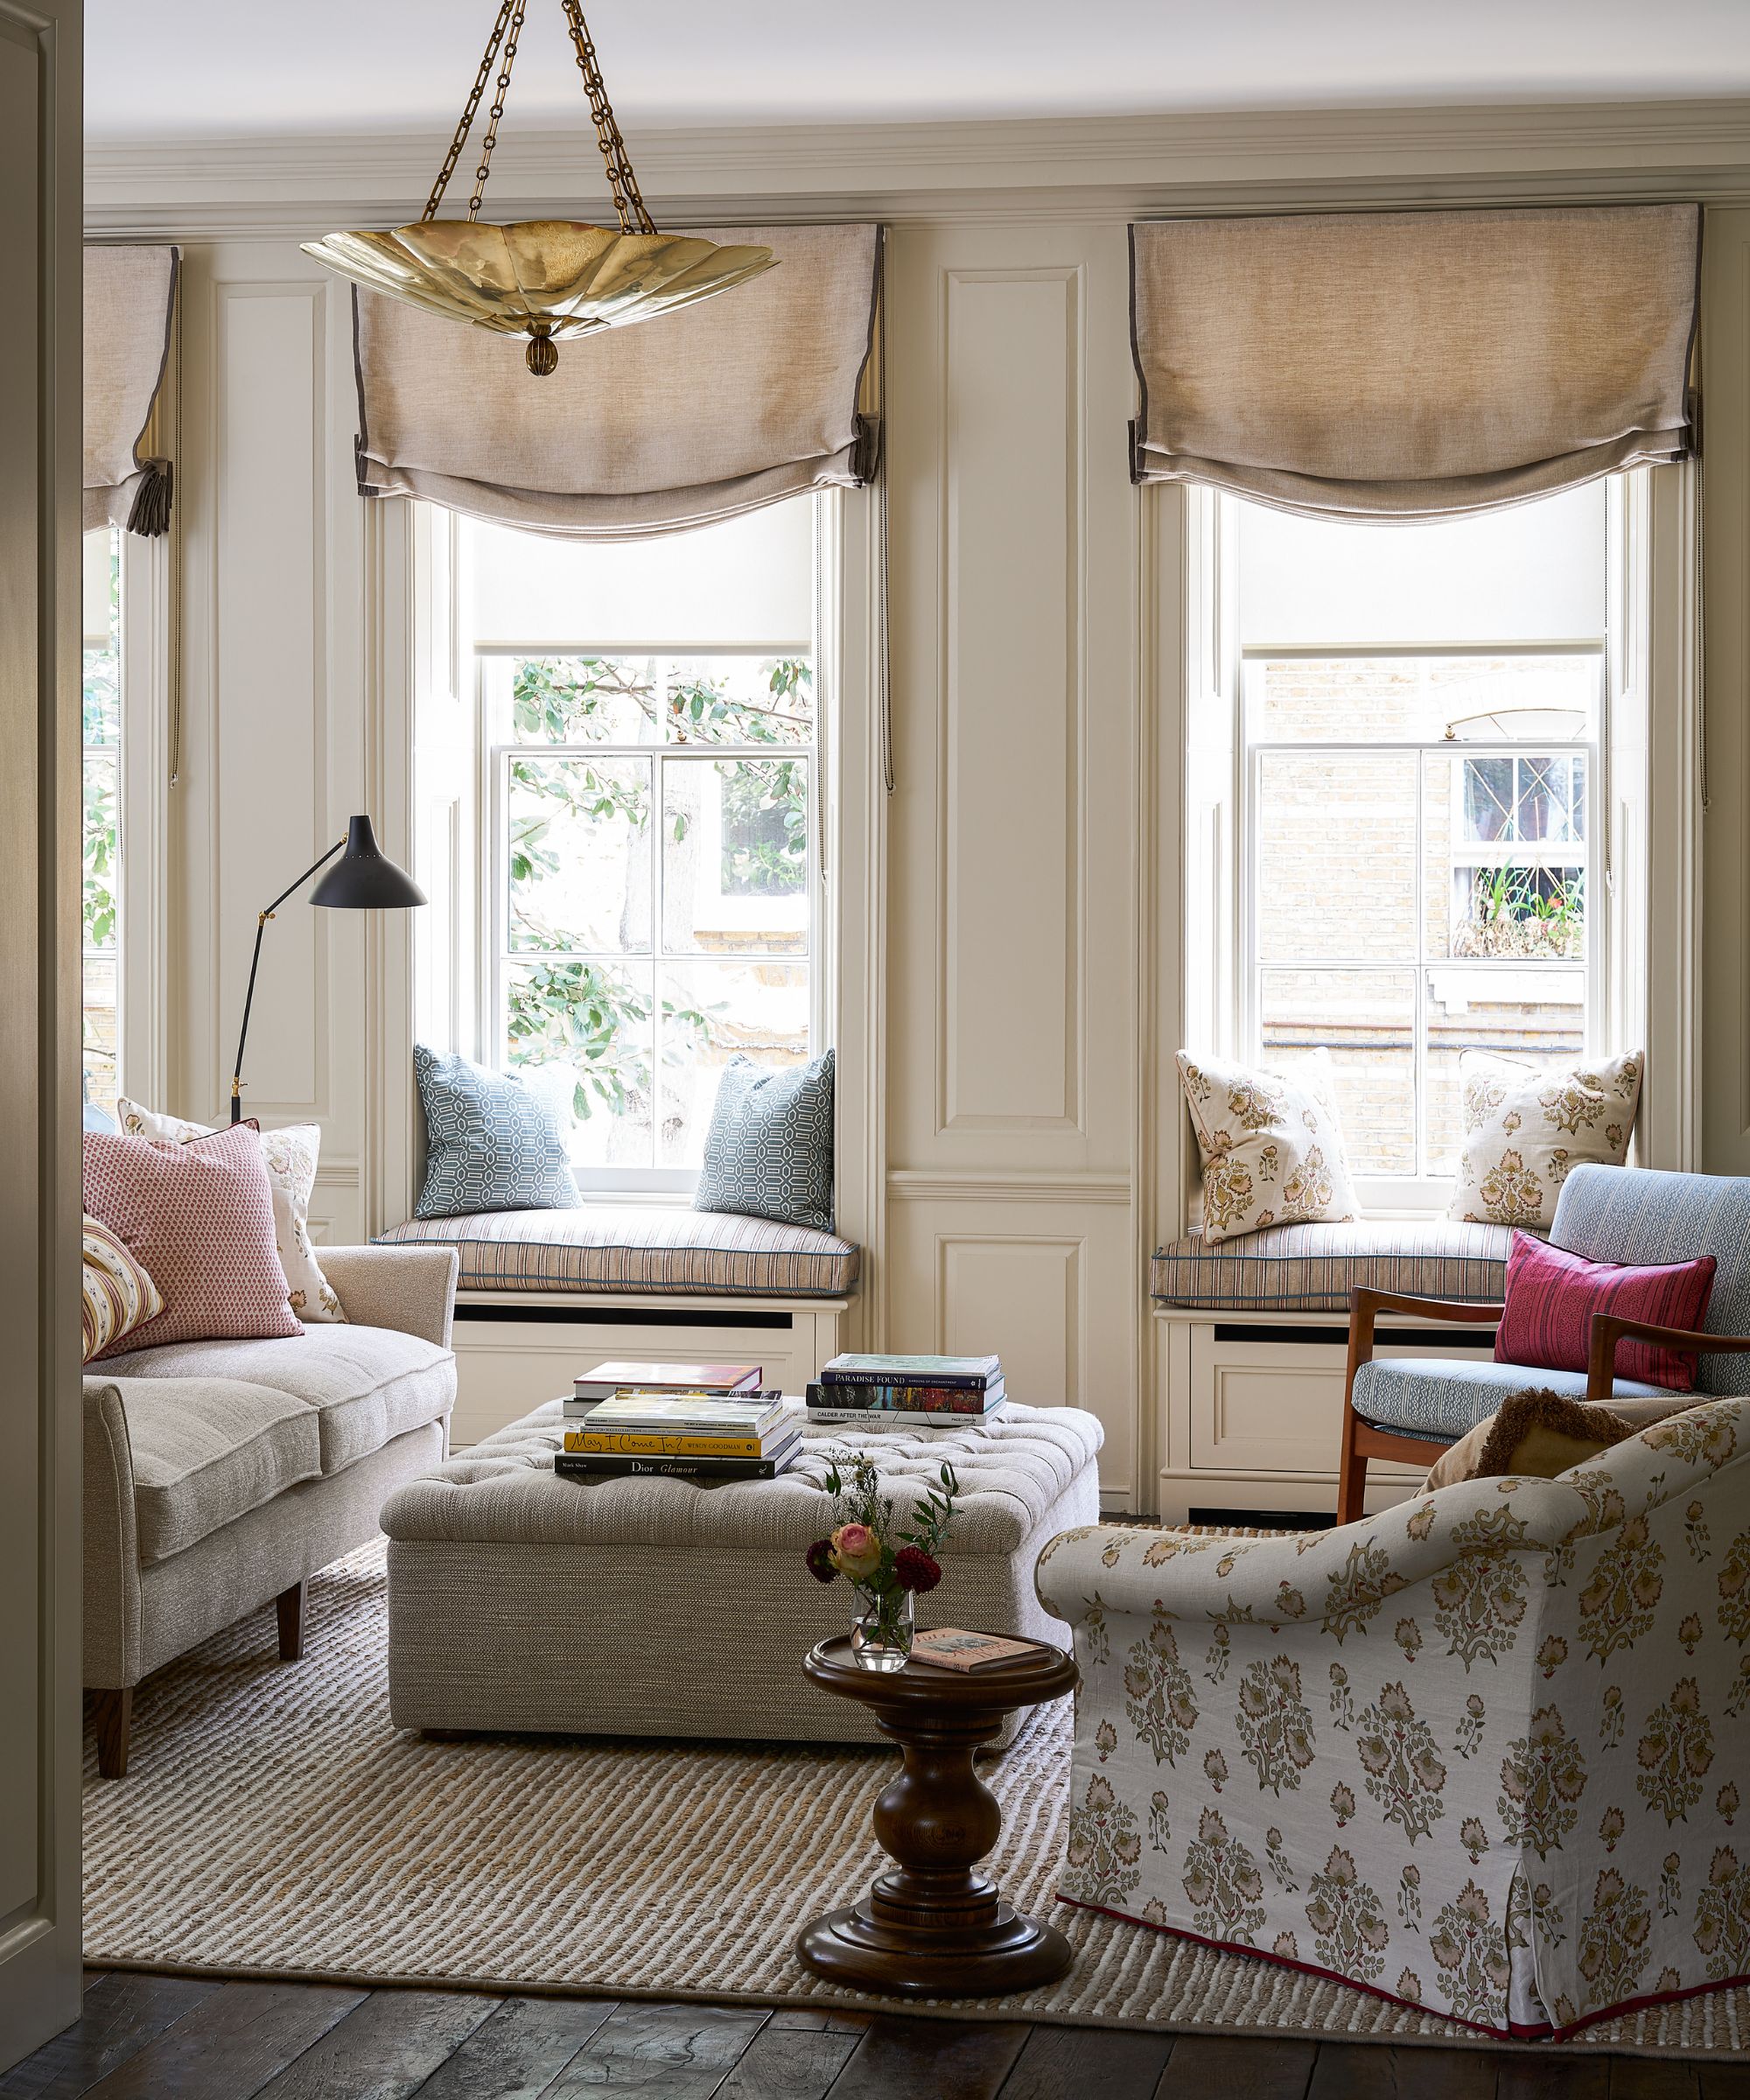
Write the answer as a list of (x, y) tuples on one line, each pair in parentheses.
[(591, 1015)]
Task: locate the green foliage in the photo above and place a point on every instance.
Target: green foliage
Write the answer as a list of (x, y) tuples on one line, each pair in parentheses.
[(591, 1015), (597, 1019), (858, 1500), (103, 853), (766, 829), (1524, 911)]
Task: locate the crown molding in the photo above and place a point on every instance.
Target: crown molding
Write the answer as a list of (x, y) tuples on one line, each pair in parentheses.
[(1070, 167)]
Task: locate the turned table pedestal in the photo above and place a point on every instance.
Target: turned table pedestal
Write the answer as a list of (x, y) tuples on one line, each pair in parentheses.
[(935, 1928)]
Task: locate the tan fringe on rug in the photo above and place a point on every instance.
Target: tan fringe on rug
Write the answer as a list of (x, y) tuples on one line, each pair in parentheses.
[(274, 1824)]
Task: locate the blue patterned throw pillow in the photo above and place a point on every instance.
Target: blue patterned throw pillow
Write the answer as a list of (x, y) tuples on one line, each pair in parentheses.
[(769, 1151), (491, 1142)]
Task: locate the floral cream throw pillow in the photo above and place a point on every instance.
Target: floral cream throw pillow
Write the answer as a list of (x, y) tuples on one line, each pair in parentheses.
[(1272, 1146), (1527, 1127), (290, 1155)]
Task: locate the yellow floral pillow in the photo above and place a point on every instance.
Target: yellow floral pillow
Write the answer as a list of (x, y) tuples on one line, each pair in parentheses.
[(1272, 1146), (1527, 1127)]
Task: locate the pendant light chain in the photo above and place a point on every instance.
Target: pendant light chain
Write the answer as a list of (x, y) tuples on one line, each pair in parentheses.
[(621, 182), (507, 32), (469, 110), (490, 138)]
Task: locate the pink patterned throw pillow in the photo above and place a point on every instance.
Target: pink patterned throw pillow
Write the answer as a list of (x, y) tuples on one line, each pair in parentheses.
[(199, 1218), (1551, 1295)]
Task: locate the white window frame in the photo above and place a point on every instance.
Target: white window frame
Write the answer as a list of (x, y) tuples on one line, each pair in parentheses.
[(144, 684), (1647, 825), (494, 887), (1423, 1191)]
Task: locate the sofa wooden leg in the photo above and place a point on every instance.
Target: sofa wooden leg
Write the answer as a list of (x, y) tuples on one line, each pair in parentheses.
[(289, 1603), (1352, 1473), (114, 1711)]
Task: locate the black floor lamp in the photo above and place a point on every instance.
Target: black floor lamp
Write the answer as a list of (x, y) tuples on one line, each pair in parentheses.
[(365, 880)]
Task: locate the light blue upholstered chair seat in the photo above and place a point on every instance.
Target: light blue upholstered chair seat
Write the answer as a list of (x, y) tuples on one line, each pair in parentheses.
[(1443, 1397), (1606, 1213)]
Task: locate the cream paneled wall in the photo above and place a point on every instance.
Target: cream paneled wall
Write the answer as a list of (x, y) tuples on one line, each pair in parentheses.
[(280, 705), (1012, 1020), (1019, 900)]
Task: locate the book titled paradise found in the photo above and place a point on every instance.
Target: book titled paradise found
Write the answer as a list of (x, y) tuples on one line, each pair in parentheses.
[(953, 1648), (971, 1374)]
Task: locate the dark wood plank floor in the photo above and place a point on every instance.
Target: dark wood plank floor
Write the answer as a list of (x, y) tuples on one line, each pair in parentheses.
[(168, 2038)]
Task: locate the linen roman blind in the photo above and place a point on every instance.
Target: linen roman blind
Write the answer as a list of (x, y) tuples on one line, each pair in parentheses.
[(1403, 365), (716, 408), (130, 308)]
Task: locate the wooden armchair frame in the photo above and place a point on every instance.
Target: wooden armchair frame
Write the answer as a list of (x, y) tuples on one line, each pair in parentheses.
[(1607, 1331), (1362, 1441)]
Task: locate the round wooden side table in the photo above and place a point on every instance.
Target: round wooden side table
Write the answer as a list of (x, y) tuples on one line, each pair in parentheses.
[(935, 1928)]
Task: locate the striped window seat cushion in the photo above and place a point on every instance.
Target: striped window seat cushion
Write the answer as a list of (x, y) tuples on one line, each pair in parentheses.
[(1313, 1268), (641, 1249)]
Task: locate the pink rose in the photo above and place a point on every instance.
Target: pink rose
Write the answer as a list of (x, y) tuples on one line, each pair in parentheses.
[(856, 1551)]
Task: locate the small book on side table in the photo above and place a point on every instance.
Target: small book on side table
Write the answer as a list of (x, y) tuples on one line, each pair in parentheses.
[(953, 1648)]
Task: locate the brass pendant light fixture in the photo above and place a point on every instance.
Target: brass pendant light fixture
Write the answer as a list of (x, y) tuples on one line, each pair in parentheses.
[(545, 278)]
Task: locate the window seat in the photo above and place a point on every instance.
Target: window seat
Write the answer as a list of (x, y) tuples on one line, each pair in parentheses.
[(1313, 1268), (637, 1250)]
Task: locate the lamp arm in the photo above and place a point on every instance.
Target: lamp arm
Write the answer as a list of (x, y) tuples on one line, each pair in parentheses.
[(262, 919)]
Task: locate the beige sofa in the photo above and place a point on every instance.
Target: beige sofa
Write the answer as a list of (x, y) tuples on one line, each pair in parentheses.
[(221, 1475)]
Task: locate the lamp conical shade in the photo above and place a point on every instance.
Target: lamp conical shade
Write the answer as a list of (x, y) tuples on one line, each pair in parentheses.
[(365, 878)]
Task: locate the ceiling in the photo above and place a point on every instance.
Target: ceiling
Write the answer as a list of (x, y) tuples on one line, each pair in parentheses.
[(224, 68)]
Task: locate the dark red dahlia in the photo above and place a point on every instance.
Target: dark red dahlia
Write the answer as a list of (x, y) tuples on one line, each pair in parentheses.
[(819, 1559), (914, 1569)]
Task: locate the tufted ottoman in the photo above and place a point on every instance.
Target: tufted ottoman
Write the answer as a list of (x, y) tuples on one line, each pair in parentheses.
[(520, 1601)]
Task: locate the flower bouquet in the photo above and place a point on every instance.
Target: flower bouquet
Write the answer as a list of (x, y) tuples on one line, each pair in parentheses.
[(887, 1566)]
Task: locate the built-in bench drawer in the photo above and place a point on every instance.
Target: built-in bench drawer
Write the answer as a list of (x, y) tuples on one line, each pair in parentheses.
[(515, 1350), (1269, 1399)]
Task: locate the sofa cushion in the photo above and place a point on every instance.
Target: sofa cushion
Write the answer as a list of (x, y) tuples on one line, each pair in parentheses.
[(207, 1451), (363, 1385), (198, 1219), (1441, 1398), (640, 1248), (1314, 1267)]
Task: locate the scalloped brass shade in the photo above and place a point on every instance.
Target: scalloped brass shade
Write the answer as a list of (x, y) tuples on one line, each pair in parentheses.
[(545, 278)]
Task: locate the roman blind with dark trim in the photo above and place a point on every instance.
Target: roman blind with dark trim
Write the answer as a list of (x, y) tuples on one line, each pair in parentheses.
[(1404, 365), (716, 408), (130, 310)]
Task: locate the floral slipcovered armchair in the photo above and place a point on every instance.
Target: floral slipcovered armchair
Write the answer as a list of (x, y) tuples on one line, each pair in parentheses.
[(1482, 1754)]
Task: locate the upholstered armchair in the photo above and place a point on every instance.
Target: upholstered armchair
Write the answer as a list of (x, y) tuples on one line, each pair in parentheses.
[(1474, 1753), (1412, 1408)]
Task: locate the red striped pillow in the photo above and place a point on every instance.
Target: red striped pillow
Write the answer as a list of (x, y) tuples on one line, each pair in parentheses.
[(1551, 1295), (199, 1218)]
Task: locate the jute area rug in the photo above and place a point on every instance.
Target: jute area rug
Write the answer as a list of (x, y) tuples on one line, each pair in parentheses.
[(274, 1824)]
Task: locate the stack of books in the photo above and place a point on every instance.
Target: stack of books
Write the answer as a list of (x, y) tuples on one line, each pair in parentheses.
[(694, 1436), (687, 1381), (936, 1392)]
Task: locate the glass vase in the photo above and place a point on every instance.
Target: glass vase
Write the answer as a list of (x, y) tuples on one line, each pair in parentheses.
[(881, 1632)]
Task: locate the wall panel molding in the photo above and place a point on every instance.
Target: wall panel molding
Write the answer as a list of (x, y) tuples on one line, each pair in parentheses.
[(930, 1185), (269, 642), (1011, 775)]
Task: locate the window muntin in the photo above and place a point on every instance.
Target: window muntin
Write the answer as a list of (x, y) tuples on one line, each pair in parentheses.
[(1418, 865), (101, 740), (654, 901)]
